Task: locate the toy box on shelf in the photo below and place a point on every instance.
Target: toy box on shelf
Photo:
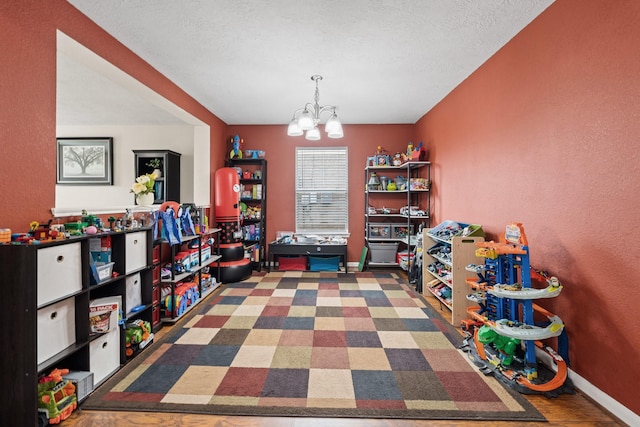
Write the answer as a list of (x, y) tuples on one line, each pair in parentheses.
[(380, 231), (401, 231), (83, 381), (104, 314)]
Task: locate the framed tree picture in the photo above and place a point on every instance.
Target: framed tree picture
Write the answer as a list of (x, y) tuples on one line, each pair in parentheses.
[(85, 161)]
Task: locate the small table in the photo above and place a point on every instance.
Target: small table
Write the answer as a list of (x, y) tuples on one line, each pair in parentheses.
[(328, 249)]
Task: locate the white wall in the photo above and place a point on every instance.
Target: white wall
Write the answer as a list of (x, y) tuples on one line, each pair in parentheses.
[(116, 197)]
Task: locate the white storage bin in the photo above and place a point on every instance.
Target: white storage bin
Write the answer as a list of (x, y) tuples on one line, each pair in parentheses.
[(135, 251), (56, 328), (59, 272), (133, 293), (383, 252), (104, 270), (104, 355)]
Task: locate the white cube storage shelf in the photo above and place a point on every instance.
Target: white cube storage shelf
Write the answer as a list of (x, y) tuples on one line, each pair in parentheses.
[(52, 282), (59, 270)]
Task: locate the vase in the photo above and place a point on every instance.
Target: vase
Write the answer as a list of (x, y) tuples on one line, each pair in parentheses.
[(157, 173), (145, 199)]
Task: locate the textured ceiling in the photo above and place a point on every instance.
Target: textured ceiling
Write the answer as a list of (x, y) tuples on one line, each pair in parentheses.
[(250, 61)]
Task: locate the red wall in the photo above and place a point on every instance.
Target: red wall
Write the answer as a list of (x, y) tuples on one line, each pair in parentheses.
[(361, 140), (27, 90), (546, 133)]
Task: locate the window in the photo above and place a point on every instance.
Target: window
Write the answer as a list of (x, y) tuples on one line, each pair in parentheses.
[(322, 190)]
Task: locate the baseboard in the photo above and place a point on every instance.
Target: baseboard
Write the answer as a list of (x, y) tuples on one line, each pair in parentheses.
[(613, 406)]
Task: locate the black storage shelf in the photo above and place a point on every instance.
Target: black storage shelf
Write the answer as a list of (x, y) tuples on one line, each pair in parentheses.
[(27, 277), (168, 185), (259, 258)]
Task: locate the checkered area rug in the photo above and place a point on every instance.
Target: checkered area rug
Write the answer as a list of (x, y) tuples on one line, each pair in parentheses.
[(312, 344)]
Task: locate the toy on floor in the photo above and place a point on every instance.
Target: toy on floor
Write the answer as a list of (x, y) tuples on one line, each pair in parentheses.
[(508, 344), (56, 397)]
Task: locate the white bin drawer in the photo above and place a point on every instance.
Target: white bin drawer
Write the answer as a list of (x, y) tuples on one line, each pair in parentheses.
[(59, 272), (104, 355), (56, 328), (136, 251), (133, 291)]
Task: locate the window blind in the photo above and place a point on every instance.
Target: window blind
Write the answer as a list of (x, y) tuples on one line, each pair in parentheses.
[(322, 190)]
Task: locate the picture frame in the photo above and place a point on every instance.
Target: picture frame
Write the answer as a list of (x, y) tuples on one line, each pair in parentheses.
[(382, 160), (85, 161)]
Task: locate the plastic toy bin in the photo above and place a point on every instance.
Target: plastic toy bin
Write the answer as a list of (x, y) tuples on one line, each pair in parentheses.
[(448, 229), (298, 263), (324, 263), (104, 270), (401, 231), (379, 231), (383, 252)]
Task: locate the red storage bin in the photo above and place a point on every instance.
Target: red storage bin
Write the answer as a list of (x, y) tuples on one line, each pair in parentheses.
[(155, 317), (156, 274), (156, 295), (298, 263), (156, 255)]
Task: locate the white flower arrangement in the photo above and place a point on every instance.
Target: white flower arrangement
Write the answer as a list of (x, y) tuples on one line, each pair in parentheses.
[(144, 184)]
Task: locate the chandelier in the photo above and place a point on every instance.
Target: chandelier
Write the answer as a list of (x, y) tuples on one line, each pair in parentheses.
[(308, 117)]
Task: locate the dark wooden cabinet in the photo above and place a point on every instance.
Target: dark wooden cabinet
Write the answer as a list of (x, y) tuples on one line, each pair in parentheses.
[(167, 162), (48, 293), (253, 199)]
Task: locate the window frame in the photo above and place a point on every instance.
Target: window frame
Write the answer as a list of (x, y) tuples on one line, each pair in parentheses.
[(310, 193)]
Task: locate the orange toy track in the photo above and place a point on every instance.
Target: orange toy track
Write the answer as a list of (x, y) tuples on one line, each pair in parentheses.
[(556, 382), (502, 248)]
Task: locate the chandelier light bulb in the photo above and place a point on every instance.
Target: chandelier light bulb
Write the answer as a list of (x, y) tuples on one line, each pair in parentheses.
[(313, 134), (333, 124), (294, 129), (305, 121), (336, 133)]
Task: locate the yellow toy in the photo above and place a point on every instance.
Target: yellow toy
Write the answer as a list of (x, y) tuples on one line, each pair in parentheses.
[(5, 235), (236, 152)]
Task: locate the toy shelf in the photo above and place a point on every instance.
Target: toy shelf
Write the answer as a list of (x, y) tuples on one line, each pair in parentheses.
[(173, 306), (402, 210), (253, 179), (461, 250)]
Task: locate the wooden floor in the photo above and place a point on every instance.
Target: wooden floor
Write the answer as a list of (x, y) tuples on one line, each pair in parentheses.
[(565, 410)]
